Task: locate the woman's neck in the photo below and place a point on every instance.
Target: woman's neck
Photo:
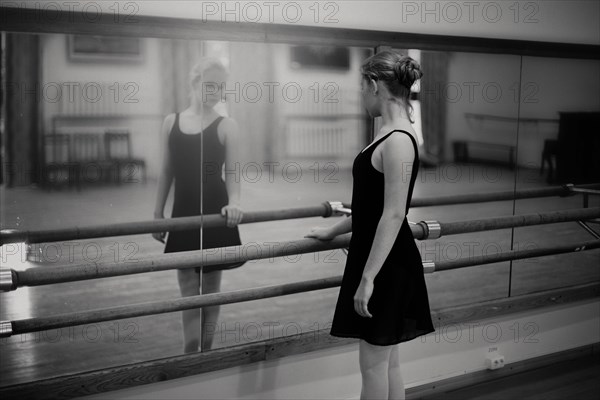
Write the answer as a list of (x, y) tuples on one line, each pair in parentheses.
[(198, 108), (393, 114)]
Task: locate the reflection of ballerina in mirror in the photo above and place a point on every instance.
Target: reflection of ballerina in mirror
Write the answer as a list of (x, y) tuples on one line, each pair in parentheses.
[(198, 144)]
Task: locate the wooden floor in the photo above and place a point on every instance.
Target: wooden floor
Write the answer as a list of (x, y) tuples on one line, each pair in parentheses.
[(568, 380), (29, 357)]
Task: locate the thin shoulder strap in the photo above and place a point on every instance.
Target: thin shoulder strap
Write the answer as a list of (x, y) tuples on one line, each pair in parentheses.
[(371, 146), (411, 138), (379, 141)]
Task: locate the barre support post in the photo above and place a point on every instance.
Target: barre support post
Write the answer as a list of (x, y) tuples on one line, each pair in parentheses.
[(5, 329), (337, 208), (6, 280), (432, 229), (428, 267)]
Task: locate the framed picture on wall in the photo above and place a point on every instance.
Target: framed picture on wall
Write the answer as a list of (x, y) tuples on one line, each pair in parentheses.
[(320, 57), (104, 48)]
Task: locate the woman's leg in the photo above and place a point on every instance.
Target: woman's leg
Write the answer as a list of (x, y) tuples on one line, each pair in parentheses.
[(374, 361), (396, 383), (211, 283), (189, 285)]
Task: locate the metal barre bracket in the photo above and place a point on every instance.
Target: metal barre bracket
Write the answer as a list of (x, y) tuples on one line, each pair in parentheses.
[(5, 329), (337, 208), (428, 267), (6, 280), (6, 232), (569, 189), (573, 190), (432, 229), (576, 190)]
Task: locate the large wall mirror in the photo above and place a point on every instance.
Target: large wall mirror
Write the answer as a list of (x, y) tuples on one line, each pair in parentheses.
[(485, 123)]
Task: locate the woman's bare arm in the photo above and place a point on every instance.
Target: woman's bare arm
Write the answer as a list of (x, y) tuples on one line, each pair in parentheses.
[(397, 154), (341, 227)]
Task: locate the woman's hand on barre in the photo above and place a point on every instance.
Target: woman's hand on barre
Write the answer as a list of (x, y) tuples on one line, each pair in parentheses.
[(160, 236), (321, 233), (233, 213)]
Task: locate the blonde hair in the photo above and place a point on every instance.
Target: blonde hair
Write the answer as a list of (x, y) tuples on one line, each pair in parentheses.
[(204, 64)]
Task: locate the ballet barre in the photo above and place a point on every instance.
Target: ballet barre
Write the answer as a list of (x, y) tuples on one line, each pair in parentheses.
[(562, 191), (326, 209), (11, 279), (28, 325)]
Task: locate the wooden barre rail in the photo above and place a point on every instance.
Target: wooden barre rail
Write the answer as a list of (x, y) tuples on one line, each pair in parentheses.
[(511, 119), (566, 190), (514, 221), (214, 220), (9, 328), (85, 383), (157, 225), (515, 255), (11, 279)]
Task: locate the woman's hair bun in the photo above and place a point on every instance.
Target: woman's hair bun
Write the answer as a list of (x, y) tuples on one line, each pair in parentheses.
[(398, 72), (408, 71)]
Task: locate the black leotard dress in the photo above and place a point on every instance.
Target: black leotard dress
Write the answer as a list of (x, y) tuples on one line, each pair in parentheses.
[(185, 150), (399, 303)]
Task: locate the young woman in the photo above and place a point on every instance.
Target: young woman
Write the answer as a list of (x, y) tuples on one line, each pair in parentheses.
[(197, 144), (383, 298)]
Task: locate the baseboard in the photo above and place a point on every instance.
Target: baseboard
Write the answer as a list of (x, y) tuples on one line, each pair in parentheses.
[(473, 378)]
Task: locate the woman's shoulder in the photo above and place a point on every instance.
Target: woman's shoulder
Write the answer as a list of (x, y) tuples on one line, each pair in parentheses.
[(399, 144), (403, 135), (168, 123), (227, 121), (227, 130), (171, 117)]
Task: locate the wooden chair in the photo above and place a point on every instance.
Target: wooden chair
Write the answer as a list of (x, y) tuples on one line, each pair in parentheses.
[(117, 144), (58, 168), (549, 157), (87, 155)]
